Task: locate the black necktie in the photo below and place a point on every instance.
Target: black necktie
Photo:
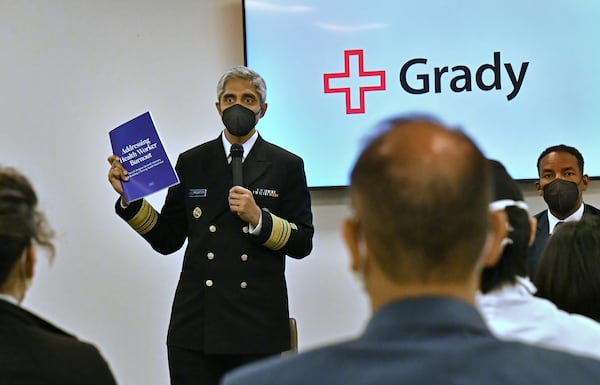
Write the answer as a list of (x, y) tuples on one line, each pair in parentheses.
[(556, 225), (237, 151)]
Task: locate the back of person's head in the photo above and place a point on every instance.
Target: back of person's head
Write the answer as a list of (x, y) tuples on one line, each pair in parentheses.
[(21, 223), (561, 148), (512, 258), (420, 192), (569, 267)]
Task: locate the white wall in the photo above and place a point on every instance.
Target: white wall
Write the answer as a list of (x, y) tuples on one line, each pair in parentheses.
[(70, 71)]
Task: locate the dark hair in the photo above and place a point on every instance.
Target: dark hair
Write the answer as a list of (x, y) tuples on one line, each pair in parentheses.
[(21, 223), (569, 267), (562, 148), (432, 206), (513, 261)]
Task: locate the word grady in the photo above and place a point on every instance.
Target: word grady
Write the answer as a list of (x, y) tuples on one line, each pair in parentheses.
[(461, 77)]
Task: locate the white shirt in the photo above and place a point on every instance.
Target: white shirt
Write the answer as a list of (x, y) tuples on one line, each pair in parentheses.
[(553, 221), (247, 145), (514, 313)]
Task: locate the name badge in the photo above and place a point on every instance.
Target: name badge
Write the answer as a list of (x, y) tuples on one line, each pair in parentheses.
[(197, 193)]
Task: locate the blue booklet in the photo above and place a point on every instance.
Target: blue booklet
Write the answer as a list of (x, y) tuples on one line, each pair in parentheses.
[(142, 154)]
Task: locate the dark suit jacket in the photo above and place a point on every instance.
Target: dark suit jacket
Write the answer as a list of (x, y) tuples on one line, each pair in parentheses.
[(232, 296), (423, 341), (34, 352), (541, 237)]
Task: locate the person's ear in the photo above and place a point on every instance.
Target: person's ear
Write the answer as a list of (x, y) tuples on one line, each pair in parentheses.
[(351, 239), (263, 109), (538, 187), (585, 182), (532, 229), (498, 232), (29, 261), (218, 105), (350, 233)]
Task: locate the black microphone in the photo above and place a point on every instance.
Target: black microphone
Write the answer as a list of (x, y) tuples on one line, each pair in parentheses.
[(237, 150)]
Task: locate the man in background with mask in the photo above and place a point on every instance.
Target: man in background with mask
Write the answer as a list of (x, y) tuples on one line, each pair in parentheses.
[(561, 183), (231, 304)]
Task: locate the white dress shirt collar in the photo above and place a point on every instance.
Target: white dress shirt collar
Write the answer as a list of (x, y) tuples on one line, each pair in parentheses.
[(247, 145)]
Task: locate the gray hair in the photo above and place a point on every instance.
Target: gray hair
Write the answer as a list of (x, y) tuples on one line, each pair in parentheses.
[(242, 72)]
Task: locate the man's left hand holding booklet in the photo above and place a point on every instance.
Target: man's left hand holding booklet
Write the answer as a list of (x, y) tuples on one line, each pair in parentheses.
[(143, 155)]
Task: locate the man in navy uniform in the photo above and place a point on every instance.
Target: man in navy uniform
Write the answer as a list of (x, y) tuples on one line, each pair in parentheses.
[(231, 304), (420, 232)]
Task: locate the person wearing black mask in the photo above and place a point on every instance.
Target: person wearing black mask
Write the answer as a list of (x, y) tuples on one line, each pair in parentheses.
[(561, 183), (231, 304)]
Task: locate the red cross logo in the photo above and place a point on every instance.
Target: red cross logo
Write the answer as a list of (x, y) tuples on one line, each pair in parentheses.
[(359, 57)]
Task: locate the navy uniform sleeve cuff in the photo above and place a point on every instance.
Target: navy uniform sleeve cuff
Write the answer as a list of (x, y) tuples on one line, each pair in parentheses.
[(275, 232), (128, 212), (140, 215)]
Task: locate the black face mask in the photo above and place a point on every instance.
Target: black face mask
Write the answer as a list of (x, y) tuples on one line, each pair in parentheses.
[(561, 196), (239, 120)]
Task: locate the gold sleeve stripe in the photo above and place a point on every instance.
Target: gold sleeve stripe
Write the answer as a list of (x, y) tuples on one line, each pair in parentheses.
[(280, 234), (145, 219)]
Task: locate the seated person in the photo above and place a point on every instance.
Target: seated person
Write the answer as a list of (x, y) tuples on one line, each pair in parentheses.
[(33, 351), (568, 273), (507, 300), (420, 194)]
